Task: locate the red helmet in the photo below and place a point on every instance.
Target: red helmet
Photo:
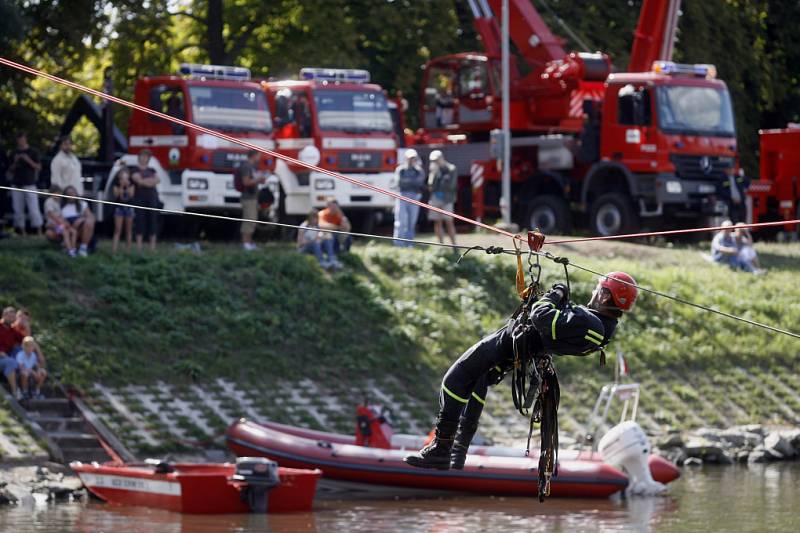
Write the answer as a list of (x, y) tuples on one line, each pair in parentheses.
[(622, 287)]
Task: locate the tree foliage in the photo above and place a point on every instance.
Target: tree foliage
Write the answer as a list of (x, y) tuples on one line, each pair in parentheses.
[(752, 42)]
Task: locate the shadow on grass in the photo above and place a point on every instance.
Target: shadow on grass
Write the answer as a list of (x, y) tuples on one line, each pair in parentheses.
[(772, 261)]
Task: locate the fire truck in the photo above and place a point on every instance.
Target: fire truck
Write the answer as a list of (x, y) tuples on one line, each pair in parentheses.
[(776, 194), (616, 151), (338, 120), (195, 168)]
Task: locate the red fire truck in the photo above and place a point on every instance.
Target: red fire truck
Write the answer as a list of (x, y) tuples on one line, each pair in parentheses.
[(196, 168), (776, 195), (618, 150), (337, 119)]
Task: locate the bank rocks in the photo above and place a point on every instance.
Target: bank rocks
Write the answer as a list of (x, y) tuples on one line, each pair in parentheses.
[(751, 443)]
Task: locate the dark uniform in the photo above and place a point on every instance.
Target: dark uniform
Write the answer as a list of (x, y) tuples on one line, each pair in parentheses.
[(737, 211), (558, 329)]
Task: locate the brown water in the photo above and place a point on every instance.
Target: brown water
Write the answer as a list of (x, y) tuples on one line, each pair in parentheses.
[(743, 498)]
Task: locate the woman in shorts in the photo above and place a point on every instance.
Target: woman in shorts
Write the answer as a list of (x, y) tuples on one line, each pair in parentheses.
[(442, 182), (124, 191)]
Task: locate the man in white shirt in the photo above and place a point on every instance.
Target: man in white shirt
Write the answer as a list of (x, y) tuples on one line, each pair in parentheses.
[(65, 169)]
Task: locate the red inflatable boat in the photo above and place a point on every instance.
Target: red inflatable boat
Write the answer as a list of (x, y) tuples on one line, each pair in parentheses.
[(373, 431), (483, 473), (252, 485)]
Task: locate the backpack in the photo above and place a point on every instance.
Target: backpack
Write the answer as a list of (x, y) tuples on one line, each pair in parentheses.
[(238, 182)]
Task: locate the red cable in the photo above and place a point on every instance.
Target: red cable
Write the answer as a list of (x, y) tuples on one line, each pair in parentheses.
[(35, 72), (677, 231)]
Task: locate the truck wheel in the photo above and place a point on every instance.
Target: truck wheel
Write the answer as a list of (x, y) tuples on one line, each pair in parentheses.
[(363, 221), (550, 214), (612, 214)]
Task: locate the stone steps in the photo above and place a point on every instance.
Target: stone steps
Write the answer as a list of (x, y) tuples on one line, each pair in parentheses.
[(60, 423), (48, 406), (85, 455), (65, 429)]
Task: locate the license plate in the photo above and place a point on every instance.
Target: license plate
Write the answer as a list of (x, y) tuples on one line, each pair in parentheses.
[(706, 189)]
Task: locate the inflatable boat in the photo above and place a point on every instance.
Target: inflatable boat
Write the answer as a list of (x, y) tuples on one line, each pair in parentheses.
[(373, 430)]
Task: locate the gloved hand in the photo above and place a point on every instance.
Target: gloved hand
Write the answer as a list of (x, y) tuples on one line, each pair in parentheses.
[(562, 289)]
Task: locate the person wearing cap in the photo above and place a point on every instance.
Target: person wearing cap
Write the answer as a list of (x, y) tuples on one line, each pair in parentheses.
[(557, 327), (65, 168), (724, 249), (442, 182), (409, 180)]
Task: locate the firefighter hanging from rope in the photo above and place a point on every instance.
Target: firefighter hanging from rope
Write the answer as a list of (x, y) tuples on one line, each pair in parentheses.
[(544, 325)]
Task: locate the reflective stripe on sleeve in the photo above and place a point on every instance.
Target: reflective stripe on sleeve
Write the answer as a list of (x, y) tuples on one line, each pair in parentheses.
[(544, 302), (592, 339), (453, 395), (553, 324), (481, 400)]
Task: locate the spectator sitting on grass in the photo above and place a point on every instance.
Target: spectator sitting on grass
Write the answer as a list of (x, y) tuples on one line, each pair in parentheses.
[(747, 254), (332, 217), (10, 339), (310, 241), (724, 249), (31, 368), (77, 213), (56, 227)]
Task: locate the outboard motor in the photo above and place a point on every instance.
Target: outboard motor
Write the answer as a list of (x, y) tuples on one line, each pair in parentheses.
[(260, 475), (626, 446)]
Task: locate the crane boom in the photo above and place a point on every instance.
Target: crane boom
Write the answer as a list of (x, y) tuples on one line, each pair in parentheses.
[(654, 37), (534, 40)]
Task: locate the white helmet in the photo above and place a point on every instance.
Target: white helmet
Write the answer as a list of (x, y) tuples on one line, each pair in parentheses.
[(436, 155), (411, 154)]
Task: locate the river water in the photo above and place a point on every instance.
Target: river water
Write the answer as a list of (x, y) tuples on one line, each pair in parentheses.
[(757, 498)]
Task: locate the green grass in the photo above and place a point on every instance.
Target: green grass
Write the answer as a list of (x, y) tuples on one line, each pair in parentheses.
[(262, 317)]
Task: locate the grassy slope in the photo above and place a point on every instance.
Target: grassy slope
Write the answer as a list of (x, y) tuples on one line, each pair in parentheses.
[(178, 316)]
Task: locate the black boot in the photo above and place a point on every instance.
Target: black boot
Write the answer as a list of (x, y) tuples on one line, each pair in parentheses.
[(466, 430), (437, 453)]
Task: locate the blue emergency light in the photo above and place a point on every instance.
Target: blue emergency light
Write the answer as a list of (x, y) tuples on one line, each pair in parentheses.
[(698, 70), (215, 72), (347, 75)]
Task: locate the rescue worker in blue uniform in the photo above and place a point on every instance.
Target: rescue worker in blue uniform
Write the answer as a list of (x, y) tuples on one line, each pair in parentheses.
[(559, 328)]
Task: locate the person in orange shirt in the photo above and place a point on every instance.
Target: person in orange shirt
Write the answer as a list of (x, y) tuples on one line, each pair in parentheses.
[(332, 217)]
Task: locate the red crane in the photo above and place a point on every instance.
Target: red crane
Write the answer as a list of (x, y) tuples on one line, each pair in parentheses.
[(620, 150)]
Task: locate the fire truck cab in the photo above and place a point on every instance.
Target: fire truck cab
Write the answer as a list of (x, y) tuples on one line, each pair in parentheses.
[(336, 119), (667, 144), (196, 169)]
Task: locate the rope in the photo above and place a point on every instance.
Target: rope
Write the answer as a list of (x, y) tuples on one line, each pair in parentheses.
[(391, 194), (676, 232), (354, 181), (489, 249)]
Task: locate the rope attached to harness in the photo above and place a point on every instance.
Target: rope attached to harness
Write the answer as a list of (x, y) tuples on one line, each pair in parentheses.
[(534, 377)]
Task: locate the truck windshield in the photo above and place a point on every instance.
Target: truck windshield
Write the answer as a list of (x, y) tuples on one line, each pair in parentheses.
[(352, 111), (229, 108), (695, 111)]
